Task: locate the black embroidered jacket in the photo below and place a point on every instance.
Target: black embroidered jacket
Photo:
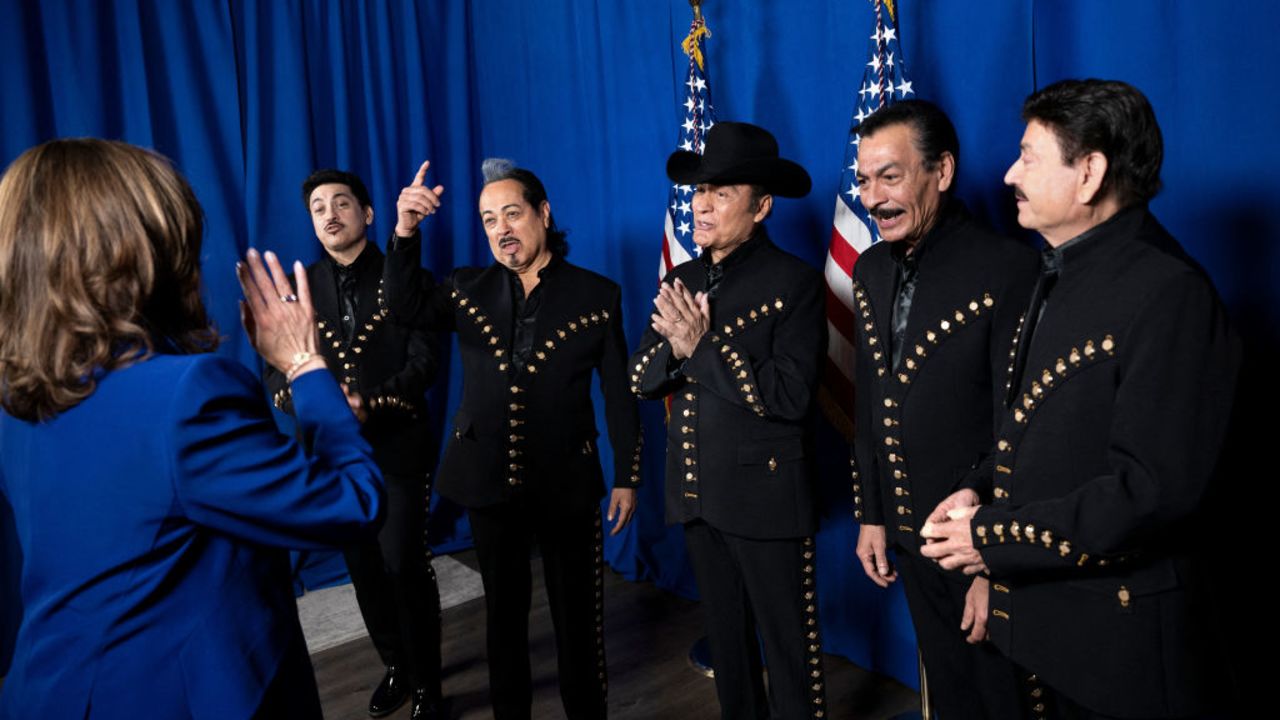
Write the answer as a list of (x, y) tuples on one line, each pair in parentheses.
[(1106, 451), (921, 426), (390, 365), (739, 440), (525, 430)]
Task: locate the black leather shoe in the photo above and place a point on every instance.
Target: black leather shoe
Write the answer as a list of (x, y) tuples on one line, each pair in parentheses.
[(390, 693), (426, 707)]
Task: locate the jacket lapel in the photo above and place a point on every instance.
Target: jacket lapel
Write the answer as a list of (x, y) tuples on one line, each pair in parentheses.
[(324, 292), (368, 283), (880, 290), (492, 292)]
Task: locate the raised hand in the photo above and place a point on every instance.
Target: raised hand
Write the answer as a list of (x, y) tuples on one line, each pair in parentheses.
[(280, 324), (416, 202)]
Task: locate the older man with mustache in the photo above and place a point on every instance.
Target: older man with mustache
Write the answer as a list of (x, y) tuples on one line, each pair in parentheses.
[(937, 304), (1121, 391)]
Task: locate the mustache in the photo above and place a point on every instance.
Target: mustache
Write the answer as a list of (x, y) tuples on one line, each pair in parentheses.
[(1018, 194), (884, 213)]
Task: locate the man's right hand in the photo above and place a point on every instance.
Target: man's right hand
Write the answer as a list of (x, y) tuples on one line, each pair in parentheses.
[(871, 551), (974, 620), (416, 202), (356, 403)]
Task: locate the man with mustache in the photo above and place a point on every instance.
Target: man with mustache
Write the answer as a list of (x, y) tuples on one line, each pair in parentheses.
[(385, 370), (532, 329), (1090, 522), (936, 306)]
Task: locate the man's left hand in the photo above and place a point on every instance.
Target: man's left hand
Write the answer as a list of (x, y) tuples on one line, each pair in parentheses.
[(682, 317), (622, 504)]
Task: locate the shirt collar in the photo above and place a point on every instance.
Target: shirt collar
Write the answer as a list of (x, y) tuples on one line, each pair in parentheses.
[(356, 265), (1080, 246), (547, 270), (950, 213)]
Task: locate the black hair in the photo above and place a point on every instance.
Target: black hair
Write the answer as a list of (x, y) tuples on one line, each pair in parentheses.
[(1110, 117), (932, 130), (497, 169), (327, 176)]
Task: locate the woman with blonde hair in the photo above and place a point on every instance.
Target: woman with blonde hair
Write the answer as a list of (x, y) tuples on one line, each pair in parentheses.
[(153, 496)]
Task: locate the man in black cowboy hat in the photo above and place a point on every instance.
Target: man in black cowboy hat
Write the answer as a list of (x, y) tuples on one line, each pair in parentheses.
[(736, 341)]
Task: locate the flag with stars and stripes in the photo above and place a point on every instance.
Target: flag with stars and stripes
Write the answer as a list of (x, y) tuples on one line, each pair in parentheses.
[(698, 117), (884, 80)]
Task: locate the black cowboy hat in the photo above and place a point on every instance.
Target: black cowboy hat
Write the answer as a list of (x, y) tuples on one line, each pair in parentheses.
[(740, 154)]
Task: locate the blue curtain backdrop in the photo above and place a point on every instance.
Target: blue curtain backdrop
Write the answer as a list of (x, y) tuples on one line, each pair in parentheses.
[(249, 97)]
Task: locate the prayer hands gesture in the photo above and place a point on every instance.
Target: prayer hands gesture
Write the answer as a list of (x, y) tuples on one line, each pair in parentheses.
[(682, 317)]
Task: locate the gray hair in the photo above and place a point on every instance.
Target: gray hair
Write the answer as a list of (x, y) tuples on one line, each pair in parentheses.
[(495, 169)]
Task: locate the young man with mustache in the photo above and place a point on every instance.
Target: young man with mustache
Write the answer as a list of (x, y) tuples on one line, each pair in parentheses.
[(936, 306), (385, 370), (1092, 507)]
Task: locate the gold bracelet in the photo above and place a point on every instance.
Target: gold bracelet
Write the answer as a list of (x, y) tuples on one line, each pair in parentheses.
[(299, 359)]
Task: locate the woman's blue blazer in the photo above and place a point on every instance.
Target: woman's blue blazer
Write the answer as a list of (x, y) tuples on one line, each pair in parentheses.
[(154, 520)]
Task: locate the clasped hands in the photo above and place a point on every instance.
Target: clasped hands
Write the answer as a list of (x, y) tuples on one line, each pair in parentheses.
[(949, 542), (948, 539), (682, 317)]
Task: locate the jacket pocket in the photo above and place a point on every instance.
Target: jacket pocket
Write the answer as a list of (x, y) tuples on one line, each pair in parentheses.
[(1126, 590), (773, 453)]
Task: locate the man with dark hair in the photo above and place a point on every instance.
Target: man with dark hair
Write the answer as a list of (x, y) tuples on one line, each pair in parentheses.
[(1122, 383), (736, 341), (385, 370), (937, 304), (532, 330)]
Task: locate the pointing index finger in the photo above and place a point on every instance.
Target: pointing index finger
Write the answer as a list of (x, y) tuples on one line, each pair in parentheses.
[(421, 177)]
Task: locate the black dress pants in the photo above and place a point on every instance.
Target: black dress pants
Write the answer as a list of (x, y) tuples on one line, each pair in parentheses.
[(571, 545), (974, 682), (396, 585), (766, 586)]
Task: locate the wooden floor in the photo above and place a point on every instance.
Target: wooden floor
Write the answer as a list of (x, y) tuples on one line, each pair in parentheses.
[(648, 633)]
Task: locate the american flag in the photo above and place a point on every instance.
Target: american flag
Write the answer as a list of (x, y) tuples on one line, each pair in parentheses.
[(699, 116), (883, 81)]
